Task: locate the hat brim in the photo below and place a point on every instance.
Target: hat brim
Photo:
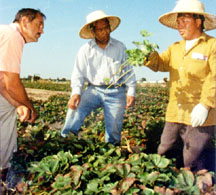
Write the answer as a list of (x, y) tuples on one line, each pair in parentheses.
[(170, 20), (86, 32)]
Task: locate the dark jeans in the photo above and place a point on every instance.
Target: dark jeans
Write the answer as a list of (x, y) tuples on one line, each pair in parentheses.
[(198, 153)]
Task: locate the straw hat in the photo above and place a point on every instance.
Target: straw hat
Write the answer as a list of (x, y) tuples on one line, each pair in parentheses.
[(86, 31), (188, 6)]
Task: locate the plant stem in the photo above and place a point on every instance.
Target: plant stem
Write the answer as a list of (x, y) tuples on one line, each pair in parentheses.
[(126, 80), (120, 77)]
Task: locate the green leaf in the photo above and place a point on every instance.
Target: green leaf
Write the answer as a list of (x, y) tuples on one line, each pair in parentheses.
[(163, 177), (92, 187), (76, 174), (189, 177), (108, 169), (152, 177), (108, 187), (164, 162), (149, 191), (159, 161), (54, 165), (107, 80), (143, 177), (119, 170), (62, 182), (109, 152), (185, 179), (144, 33), (118, 152), (126, 168), (126, 183)]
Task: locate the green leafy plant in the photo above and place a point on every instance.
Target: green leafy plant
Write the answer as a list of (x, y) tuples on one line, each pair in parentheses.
[(143, 48), (186, 182), (87, 165), (135, 57)]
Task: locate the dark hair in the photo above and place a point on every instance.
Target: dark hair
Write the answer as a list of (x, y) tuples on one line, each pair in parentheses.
[(198, 16), (92, 25), (28, 12), (195, 16)]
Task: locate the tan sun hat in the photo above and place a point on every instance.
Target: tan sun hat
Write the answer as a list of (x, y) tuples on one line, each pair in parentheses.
[(188, 6), (86, 31)]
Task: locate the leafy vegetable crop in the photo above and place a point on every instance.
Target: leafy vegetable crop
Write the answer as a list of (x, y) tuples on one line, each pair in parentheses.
[(51, 164)]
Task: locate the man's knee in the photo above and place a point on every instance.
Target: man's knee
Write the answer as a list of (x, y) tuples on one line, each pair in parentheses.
[(193, 158), (162, 149)]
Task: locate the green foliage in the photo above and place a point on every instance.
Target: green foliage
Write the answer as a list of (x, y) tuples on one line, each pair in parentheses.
[(186, 182), (55, 165), (143, 48), (64, 86), (135, 57)]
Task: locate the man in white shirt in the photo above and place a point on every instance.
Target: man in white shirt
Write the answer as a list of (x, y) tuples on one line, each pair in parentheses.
[(97, 61)]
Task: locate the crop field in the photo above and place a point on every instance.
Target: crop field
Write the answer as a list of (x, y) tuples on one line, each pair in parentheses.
[(51, 164)]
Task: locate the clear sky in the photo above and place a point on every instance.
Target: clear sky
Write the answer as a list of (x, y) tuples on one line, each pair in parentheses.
[(53, 56)]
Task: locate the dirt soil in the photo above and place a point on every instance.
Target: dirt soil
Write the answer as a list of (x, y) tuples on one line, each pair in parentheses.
[(41, 94)]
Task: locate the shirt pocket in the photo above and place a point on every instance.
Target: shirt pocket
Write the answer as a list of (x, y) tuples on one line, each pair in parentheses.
[(115, 67), (198, 68)]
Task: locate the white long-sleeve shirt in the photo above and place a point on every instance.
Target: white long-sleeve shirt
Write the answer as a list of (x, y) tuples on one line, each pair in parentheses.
[(94, 65)]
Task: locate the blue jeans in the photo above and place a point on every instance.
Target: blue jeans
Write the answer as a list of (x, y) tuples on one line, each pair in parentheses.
[(113, 102)]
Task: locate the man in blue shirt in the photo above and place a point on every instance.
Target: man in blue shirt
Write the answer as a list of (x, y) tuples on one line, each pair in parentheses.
[(97, 63)]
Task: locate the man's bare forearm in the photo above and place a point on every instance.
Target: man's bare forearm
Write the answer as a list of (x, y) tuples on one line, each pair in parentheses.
[(15, 90), (19, 94), (9, 98), (5, 94)]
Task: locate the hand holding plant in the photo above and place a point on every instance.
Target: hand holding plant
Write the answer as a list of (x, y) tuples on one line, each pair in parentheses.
[(143, 49), (135, 57)]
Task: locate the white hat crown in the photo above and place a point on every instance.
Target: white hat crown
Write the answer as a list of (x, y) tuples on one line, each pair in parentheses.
[(193, 6), (96, 15)]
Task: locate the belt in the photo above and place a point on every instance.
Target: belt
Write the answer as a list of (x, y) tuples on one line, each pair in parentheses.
[(109, 86)]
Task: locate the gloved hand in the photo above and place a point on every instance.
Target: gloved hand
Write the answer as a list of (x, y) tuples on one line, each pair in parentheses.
[(198, 115)]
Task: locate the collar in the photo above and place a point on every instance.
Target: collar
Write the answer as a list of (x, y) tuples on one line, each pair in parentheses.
[(203, 37), (17, 28), (93, 42)]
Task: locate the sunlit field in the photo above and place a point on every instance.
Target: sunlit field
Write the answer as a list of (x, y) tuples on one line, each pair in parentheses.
[(51, 164)]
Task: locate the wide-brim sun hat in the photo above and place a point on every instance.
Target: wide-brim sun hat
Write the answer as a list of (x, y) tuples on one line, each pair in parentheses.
[(188, 6), (86, 31)]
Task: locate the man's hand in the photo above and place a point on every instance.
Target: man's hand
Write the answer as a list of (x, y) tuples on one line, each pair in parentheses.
[(33, 116), (130, 101), (23, 112), (74, 102), (199, 115)]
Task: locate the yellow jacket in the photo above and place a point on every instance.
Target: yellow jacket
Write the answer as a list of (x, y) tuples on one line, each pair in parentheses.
[(192, 78)]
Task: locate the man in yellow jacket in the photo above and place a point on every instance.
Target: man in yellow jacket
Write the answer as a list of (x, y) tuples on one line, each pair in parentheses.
[(191, 62)]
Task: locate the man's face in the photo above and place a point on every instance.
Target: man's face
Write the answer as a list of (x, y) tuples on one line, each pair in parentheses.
[(102, 31), (33, 29), (188, 27)]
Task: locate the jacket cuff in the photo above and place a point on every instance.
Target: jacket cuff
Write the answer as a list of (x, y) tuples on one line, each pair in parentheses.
[(76, 90), (131, 91)]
